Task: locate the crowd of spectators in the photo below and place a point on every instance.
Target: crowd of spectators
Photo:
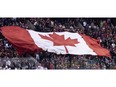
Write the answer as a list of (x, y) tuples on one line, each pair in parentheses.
[(103, 29)]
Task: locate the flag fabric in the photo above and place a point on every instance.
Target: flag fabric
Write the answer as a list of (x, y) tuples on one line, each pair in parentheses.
[(57, 42), (20, 39)]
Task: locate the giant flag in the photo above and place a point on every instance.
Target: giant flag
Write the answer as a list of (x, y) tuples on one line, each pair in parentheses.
[(57, 42)]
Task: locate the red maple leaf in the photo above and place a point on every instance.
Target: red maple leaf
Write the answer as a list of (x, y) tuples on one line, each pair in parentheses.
[(59, 40)]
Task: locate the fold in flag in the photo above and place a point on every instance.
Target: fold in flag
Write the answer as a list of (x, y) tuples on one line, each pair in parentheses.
[(58, 42)]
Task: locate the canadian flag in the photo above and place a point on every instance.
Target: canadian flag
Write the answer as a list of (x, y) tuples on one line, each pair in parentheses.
[(58, 42)]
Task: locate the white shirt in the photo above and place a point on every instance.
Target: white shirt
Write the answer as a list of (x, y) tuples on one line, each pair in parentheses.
[(84, 23), (71, 27), (41, 68), (52, 23), (6, 45), (37, 56), (35, 23), (8, 62), (60, 25), (89, 26), (113, 45), (63, 26)]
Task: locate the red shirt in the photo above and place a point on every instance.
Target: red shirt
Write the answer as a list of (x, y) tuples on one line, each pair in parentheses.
[(51, 66)]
